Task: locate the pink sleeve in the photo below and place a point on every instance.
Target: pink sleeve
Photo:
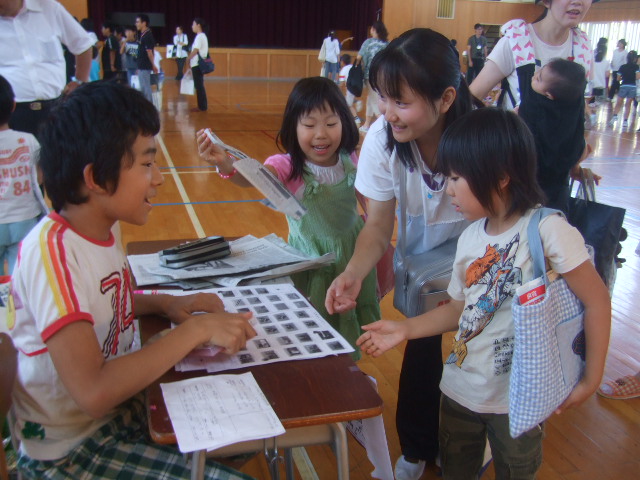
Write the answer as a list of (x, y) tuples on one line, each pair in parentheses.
[(282, 164), (354, 158)]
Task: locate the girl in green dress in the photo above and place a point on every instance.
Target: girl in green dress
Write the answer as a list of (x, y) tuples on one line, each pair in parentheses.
[(319, 137)]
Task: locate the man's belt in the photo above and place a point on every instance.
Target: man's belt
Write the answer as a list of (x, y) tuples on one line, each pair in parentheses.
[(36, 105)]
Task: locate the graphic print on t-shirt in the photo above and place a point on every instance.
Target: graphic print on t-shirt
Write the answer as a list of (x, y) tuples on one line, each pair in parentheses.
[(118, 285), (495, 270)]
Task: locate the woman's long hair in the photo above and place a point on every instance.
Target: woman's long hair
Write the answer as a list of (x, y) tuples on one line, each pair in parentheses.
[(428, 64)]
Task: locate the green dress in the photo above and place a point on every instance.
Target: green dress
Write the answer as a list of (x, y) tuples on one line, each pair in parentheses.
[(332, 224)]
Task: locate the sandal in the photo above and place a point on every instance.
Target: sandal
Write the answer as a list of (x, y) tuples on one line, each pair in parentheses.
[(621, 389)]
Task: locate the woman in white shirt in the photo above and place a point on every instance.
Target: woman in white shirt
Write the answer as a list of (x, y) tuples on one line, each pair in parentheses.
[(332, 54), (199, 49), (181, 42), (618, 59)]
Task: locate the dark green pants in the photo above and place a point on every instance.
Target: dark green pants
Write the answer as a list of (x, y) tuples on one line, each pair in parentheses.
[(463, 436)]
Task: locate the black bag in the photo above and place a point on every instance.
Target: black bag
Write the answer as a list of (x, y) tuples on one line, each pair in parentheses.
[(600, 225), (355, 80), (206, 65)]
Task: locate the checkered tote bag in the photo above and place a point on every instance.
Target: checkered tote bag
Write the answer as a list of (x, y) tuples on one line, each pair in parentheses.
[(548, 357)]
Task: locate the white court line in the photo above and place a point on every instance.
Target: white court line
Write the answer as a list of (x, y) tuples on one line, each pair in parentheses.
[(303, 463), (183, 193)]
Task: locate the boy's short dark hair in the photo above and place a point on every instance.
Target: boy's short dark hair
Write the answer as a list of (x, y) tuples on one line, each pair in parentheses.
[(568, 80), (7, 99), (477, 26), (97, 124), (109, 25), (486, 146), (143, 18), (346, 58)]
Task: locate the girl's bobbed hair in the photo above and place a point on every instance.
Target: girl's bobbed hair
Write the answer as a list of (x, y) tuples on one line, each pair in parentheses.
[(309, 94), (426, 62), (487, 146)]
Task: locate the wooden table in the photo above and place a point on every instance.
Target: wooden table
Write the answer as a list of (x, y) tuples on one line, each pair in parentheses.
[(312, 398)]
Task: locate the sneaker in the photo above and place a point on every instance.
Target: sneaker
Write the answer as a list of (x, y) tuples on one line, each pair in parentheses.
[(358, 105), (357, 120), (594, 119), (625, 124), (363, 129), (613, 120), (406, 470)]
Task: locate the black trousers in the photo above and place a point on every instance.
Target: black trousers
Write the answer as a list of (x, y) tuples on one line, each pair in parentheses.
[(28, 116), (180, 61), (198, 83), (417, 416), (615, 85), (473, 71)]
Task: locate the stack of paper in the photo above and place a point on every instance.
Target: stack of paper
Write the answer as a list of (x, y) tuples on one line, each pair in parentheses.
[(213, 411), (251, 259)]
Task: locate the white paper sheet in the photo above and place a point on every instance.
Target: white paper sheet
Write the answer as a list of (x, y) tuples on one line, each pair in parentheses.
[(217, 410), (287, 327)]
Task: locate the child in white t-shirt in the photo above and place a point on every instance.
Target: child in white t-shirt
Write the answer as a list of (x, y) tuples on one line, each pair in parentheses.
[(21, 201), (489, 158), (345, 67), (77, 402)]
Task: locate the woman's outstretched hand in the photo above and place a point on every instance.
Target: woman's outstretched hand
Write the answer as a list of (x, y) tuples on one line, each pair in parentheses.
[(342, 293)]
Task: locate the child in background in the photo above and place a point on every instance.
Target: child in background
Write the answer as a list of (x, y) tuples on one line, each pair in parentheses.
[(489, 157), (78, 412), (21, 201), (627, 76), (345, 66), (130, 48), (319, 137)]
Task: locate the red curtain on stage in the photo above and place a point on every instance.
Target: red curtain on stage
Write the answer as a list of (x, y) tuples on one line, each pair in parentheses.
[(251, 23)]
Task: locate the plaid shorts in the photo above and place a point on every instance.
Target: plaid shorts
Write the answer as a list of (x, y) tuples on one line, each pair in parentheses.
[(121, 449)]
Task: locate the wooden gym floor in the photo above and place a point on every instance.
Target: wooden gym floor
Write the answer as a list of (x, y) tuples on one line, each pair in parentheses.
[(599, 440)]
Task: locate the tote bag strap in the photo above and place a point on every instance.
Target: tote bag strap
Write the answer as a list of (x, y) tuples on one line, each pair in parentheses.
[(535, 242)]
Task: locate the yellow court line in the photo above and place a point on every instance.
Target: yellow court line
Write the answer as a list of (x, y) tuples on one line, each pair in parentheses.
[(183, 193)]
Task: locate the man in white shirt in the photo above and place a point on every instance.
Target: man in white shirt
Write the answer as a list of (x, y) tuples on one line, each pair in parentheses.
[(31, 59), (618, 59)]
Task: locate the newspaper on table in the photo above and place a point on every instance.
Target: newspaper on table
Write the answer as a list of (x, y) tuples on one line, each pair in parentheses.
[(213, 411), (250, 258), (287, 327), (261, 177)]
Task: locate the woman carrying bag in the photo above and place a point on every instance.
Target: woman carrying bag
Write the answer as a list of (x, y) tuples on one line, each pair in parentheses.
[(199, 47)]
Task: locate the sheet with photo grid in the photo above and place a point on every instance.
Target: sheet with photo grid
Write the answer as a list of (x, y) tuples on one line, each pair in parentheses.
[(287, 327)]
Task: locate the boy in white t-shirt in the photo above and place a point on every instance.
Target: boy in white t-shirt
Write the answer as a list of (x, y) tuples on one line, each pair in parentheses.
[(345, 66), (71, 306), (21, 201)]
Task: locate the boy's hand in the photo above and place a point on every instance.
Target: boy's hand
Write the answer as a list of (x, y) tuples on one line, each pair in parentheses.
[(180, 308), (381, 336), (577, 396), (227, 330)]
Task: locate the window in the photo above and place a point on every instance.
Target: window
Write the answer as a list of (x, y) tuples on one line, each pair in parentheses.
[(446, 9), (613, 31)]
